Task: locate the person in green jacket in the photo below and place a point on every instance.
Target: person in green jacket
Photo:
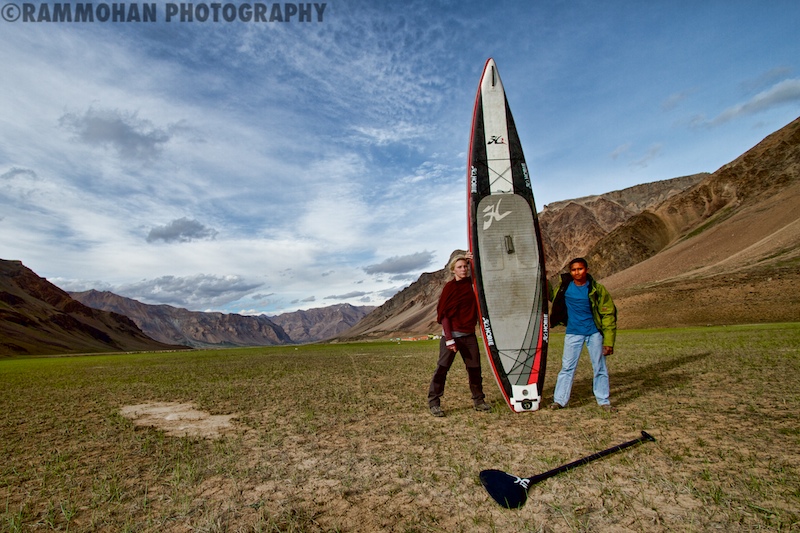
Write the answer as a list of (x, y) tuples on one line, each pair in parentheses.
[(588, 311)]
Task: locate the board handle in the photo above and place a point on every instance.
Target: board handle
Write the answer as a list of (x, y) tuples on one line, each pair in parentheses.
[(509, 244)]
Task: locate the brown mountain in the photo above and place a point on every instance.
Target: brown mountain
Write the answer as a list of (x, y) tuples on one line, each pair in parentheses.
[(193, 328), (725, 251), (206, 330), (757, 182), (36, 318), (571, 231), (321, 323), (721, 248), (570, 228)]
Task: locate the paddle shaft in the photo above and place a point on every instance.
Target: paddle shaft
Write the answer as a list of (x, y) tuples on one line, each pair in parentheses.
[(646, 437)]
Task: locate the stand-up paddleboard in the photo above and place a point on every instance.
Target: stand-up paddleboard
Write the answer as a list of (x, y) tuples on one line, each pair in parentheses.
[(506, 244)]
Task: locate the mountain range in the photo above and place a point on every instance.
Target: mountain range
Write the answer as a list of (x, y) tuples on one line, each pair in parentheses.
[(175, 325), (571, 227), (720, 248)]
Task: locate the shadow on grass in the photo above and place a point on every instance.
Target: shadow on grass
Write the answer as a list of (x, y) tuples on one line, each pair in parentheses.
[(631, 384)]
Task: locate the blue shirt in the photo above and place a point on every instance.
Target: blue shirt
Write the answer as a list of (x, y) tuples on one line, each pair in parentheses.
[(579, 311)]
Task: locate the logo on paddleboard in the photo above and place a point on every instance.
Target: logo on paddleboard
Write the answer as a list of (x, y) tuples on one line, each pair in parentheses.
[(545, 328), (473, 180), (493, 213), (487, 328), (526, 176)]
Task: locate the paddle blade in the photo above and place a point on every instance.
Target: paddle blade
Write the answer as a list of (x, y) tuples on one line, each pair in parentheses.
[(509, 491)]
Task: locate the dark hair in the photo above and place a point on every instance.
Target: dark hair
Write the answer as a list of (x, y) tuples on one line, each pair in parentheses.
[(580, 260)]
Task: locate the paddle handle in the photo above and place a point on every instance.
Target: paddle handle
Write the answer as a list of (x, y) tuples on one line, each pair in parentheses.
[(646, 437)]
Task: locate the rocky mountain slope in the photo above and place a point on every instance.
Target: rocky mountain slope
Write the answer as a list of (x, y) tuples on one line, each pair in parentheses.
[(571, 227), (36, 317), (721, 248), (725, 251), (196, 329), (321, 323), (749, 185), (207, 330)]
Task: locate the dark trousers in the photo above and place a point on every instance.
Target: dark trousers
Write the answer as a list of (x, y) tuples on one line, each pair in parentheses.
[(468, 348)]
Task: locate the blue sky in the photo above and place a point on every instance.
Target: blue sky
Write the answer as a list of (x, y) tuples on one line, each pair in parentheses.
[(265, 167)]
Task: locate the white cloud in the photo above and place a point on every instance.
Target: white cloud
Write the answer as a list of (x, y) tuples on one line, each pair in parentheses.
[(131, 136), (652, 153), (675, 99), (348, 296), (402, 264), (785, 92), (620, 150), (767, 79), (193, 292), (181, 230)]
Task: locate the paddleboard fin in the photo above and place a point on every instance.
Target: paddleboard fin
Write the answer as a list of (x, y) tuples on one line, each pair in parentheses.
[(525, 397)]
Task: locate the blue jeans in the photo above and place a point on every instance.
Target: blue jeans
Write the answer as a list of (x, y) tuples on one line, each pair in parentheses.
[(573, 344)]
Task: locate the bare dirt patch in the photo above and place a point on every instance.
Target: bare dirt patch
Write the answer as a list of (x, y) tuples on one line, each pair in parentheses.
[(179, 419)]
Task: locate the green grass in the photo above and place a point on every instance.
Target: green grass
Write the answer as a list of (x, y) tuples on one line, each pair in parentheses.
[(337, 437)]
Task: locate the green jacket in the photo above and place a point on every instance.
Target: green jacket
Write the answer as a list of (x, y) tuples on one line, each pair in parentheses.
[(604, 311)]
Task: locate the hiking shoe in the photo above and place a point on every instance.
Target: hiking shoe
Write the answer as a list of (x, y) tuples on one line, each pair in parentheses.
[(555, 406), (436, 410), (483, 406), (608, 408)]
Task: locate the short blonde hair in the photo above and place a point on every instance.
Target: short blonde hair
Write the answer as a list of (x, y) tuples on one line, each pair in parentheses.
[(456, 259)]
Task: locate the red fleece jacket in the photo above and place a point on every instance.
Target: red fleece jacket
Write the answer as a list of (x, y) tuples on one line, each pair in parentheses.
[(457, 307)]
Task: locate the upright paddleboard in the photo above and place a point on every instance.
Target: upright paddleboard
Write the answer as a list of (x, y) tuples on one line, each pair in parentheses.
[(505, 240)]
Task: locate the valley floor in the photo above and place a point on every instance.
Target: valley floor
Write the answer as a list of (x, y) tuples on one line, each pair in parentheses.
[(338, 438)]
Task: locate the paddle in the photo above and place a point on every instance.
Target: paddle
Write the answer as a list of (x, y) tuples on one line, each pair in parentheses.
[(511, 491)]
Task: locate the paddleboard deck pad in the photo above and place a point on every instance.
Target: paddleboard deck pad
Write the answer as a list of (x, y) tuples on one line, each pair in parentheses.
[(505, 240)]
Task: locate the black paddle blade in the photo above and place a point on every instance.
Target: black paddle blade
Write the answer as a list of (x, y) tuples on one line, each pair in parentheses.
[(647, 437), (509, 491)]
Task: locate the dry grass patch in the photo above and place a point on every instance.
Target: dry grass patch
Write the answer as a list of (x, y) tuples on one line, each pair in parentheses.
[(338, 438)]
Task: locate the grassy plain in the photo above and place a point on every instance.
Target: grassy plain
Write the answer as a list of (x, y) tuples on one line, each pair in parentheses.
[(337, 437)]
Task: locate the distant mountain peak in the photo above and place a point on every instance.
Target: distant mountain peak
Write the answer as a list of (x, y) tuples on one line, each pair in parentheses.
[(36, 317)]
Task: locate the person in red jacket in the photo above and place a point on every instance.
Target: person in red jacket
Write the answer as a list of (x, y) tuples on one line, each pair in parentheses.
[(457, 312)]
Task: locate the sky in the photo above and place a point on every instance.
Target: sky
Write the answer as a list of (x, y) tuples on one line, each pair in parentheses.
[(316, 154)]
